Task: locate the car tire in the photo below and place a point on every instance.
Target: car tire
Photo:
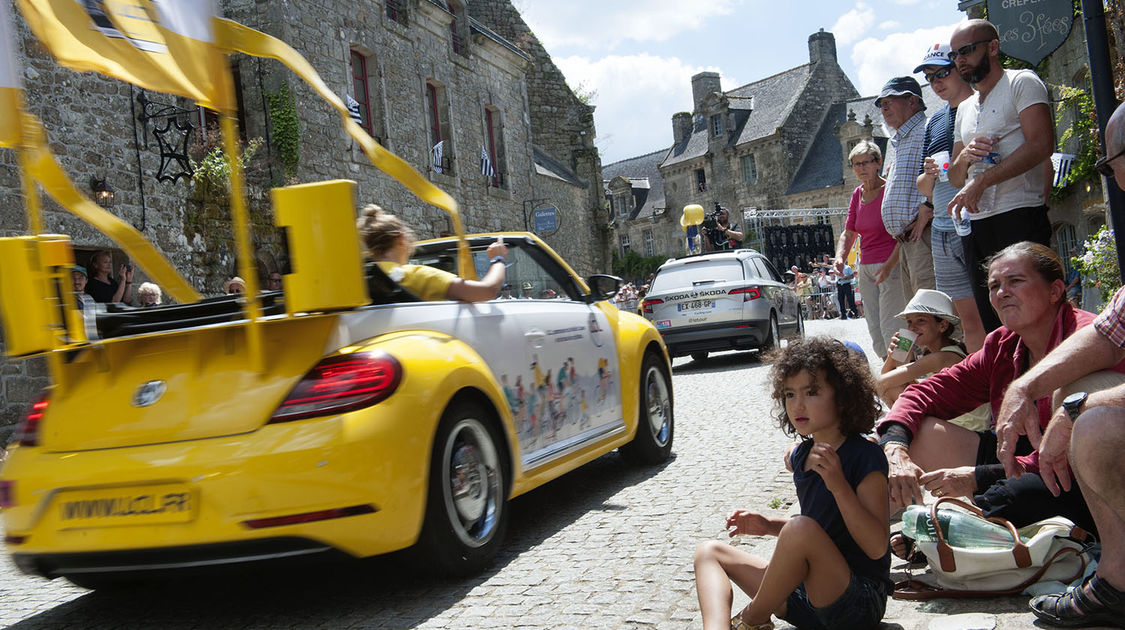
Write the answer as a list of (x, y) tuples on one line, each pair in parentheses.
[(465, 521), (699, 356), (800, 326), (656, 424), (772, 336)]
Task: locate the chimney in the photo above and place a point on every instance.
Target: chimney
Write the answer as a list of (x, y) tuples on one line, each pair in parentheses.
[(681, 127), (822, 47), (703, 84)]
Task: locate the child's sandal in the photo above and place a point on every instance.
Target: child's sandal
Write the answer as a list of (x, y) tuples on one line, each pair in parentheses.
[(736, 623)]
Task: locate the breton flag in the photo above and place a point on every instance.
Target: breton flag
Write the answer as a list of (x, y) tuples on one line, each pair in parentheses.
[(486, 164), (11, 90), (435, 155), (1062, 163), (353, 109)]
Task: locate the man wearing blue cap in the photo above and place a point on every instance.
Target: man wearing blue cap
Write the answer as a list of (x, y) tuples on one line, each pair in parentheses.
[(951, 269), (905, 213)]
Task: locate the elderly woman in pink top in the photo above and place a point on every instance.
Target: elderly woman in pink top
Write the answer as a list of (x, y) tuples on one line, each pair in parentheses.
[(879, 279)]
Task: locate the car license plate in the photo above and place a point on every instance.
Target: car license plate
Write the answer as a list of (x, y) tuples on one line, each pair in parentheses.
[(141, 505), (694, 305)]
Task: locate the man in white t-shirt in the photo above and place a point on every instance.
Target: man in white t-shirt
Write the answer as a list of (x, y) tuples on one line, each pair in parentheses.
[(1009, 120)]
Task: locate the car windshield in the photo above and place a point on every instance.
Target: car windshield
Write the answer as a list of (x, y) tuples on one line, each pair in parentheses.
[(697, 273)]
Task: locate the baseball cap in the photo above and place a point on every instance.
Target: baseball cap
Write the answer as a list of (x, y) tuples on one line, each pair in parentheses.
[(901, 86), (936, 55), (82, 270)]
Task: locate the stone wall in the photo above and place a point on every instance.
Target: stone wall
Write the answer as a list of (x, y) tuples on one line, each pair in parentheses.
[(90, 121)]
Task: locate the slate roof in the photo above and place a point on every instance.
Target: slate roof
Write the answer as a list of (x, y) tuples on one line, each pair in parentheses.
[(550, 167), (822, 166), (643, 173), (772, 100)]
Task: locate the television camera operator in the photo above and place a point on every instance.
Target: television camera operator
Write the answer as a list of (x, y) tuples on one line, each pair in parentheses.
[(719, 234)]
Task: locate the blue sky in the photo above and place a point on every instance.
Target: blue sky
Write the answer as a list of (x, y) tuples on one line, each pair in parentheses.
[(639, 55)]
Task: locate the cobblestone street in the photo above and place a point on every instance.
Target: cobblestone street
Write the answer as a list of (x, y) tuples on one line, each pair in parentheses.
[(608, 546)]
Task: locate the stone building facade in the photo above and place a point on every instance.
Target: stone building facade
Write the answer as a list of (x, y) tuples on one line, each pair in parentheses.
[(468, 73)]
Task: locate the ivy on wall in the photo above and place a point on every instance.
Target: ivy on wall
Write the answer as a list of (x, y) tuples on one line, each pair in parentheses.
[(1083, 129), (286, 131)]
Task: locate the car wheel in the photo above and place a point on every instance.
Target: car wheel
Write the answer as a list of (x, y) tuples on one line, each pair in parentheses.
[(466, 508), (772, 340), (653, 442), (699, 356)]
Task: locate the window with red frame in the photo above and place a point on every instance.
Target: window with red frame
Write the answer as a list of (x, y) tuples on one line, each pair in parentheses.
[(495, 146), (361, 92)]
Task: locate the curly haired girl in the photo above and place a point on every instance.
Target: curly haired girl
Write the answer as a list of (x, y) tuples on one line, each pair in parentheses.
[(831, 566)]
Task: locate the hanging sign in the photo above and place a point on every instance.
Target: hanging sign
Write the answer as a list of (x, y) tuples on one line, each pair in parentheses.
[(1031, 29)]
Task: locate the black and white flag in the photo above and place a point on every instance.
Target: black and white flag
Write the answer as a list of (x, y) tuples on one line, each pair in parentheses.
[(353, 109), (1062, 163), (486, 164), (435, 156)]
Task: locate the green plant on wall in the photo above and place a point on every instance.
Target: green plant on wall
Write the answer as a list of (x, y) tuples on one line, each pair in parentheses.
[(1098, 265), (633, 266), (286, 131), (1083, 129), (211, 168)]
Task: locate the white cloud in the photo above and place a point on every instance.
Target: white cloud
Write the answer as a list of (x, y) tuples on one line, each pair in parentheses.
[(603, 24), (853, 24), (636, 97), (888, 25), (877, 60)]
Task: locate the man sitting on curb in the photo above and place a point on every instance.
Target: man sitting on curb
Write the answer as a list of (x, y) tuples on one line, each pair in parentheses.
[(1092, 429)]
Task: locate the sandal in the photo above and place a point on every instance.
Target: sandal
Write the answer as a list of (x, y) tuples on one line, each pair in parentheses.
[(910, 551), (736, 623), (1095, 603)]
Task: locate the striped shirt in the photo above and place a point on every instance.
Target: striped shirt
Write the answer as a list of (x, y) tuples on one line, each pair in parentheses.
[(939, 137)]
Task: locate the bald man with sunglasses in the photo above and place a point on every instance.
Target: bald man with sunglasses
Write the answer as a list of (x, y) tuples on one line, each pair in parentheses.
[(1009, 119)]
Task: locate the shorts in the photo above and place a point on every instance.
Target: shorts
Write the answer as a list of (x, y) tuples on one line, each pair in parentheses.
[(861, 607), (951, 271)]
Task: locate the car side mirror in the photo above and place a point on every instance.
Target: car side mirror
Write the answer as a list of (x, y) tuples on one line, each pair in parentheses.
[(603, 286)]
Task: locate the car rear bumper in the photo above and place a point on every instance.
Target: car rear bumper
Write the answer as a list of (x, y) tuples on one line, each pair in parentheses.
[(363, 483), (178, 559), (743, 335)]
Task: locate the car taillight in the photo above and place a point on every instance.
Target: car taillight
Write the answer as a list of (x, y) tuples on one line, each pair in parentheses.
[(749, 293), (7, 493), (341, 383), (28, 432), (647, 305)]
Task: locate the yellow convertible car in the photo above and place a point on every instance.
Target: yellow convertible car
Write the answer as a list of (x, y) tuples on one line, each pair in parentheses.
[(397, 424)]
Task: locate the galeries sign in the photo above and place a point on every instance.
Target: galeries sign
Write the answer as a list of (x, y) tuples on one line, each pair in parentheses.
[(1031, 29)]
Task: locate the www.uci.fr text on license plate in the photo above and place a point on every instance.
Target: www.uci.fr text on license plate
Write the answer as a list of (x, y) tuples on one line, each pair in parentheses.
[(141, 505), (694, 305)]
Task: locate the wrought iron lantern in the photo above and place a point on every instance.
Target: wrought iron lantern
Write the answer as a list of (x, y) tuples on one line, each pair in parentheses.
[(103, 192)]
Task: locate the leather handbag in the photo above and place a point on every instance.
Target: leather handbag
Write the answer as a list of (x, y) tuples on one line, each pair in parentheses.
[(1051, 549)]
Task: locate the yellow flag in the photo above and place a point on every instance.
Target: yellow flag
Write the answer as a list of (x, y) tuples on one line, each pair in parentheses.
[(11, 89), (113, 37)]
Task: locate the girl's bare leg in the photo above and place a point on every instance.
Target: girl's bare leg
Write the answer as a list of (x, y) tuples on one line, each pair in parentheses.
[(717, 564), (804, 554)]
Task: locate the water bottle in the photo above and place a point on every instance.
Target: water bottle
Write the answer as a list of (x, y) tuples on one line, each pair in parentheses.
[(961, 222), (959, 528), (988, 197)]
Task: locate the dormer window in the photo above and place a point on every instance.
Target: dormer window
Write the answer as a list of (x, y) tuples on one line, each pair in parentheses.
[(717, 125)]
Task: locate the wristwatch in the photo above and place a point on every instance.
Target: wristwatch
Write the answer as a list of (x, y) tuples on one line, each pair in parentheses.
[(1073, 404), (929, 204), (496, 259)]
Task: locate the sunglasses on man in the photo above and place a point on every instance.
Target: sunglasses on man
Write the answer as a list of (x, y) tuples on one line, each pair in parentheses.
[(967, 49), (937, 74), (1102, 165)]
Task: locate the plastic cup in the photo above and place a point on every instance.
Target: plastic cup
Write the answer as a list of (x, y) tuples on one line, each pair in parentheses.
[(906, 340), (941, 159)]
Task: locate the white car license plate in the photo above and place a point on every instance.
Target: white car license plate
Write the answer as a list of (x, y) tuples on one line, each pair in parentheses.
[(694, 305)]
